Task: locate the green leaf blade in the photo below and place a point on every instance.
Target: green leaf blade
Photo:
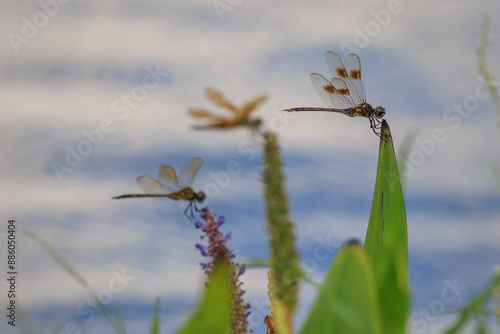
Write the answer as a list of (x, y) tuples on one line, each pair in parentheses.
[(155, 321), (212, 315), (347, 301), (386, 240)]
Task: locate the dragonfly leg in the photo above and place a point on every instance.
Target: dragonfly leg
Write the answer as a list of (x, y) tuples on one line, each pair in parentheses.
[(190, 216), (375, 124)]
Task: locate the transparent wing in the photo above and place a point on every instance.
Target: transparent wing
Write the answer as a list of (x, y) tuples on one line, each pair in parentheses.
[(322, 88), (334, 93), (188, 172), (350, 73), (167, 176), (152, 186), (354, 82), (335, 65), (341, 97)]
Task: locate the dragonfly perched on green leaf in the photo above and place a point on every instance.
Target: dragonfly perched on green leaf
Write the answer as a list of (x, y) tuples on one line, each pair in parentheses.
[(344, 93)]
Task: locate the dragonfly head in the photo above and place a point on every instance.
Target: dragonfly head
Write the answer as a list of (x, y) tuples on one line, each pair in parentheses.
[(379, 112), (200, 196)]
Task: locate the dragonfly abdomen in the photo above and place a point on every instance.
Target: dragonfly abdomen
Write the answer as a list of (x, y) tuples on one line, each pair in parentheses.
[(140, 196), (317, 109)]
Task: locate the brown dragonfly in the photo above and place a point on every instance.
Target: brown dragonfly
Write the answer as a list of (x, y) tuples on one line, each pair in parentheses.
[(238, 116), (171, 186), (344, 93)]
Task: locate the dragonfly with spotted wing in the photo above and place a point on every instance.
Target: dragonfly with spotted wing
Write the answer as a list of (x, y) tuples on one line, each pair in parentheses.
[(344, 93)]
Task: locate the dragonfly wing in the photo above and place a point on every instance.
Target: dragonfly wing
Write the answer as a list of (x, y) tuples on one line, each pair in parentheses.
[(322, 87), (151, 186), (335, 65), (341, 97), (188, 172), (219, 99), (251, 105), (168, 177), (212, 119), (353, 67), (334, 93), (201, 113)]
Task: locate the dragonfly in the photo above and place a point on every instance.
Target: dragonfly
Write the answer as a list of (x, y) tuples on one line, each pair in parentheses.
[(172, 186), (344, 93), (239, 116)]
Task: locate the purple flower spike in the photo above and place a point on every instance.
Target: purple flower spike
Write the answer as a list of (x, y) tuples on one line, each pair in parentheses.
[(203, 249), (217, 248), (241, 271), (199, 225), (220, 221)]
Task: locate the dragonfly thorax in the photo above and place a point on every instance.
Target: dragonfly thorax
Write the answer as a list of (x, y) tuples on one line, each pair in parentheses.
[(367, 110), (363, 109), (188, 194)]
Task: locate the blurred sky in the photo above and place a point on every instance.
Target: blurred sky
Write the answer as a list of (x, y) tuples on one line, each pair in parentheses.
[(124, 74)]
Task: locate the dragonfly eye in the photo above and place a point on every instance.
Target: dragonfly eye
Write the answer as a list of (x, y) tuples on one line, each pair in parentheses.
[(379, 112)]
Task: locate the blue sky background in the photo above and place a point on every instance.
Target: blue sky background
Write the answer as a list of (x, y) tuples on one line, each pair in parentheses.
[(69, 71)]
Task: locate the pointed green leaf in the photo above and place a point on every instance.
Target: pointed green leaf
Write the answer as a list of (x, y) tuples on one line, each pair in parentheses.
[(212, 316), (347, 301), (155, 322), (386, 242)]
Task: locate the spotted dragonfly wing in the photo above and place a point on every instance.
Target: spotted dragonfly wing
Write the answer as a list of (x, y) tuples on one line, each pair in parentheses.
[(152, 186), (335, 65), (188, 172), (342, 94), (354, 81), (334, 93), (321, 85), (350, 72)]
